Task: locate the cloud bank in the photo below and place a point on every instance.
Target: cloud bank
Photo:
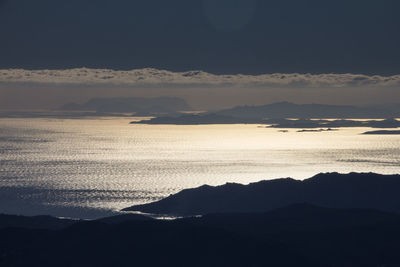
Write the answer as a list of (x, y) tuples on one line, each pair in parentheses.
[(155, 77)]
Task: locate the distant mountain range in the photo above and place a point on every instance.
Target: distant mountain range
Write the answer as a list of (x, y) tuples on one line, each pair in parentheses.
[(334, 190), (291, 110), (139, 106), (278, 114)]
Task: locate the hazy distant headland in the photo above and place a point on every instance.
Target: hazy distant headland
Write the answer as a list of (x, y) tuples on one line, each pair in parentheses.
[(60, 114), (109, 107), (283, 110), (138, 106)]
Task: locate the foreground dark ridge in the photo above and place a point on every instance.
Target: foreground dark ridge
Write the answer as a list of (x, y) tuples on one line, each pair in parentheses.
[(52, 223), (354, 190), (299, 235)]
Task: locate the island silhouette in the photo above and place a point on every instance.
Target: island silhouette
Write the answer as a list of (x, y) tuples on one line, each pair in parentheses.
[(383, 132)]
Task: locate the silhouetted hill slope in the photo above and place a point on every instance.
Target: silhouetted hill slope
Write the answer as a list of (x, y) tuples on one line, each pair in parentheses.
[(330, 237), (37, 222), (300, 235), (291, 110), (124, 218), (132, 104), (53, 223), (296, 217), (354, 190), (157, 243)]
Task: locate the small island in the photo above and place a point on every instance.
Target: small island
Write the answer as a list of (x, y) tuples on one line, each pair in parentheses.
[(382, 132), (317, 130)]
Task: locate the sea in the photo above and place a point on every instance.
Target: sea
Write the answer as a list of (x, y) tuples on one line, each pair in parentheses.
[(93, 167)]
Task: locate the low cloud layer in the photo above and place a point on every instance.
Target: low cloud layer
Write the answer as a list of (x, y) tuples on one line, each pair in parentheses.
[(42, 89), (153, 77)]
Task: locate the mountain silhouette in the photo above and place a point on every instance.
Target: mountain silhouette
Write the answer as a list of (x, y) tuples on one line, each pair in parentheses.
[(354, 190), (291, 110)]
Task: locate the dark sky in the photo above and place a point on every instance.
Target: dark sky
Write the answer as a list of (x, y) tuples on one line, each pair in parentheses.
[(226, 36)]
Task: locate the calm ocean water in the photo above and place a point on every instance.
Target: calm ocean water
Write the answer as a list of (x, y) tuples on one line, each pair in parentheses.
[(87, 168)]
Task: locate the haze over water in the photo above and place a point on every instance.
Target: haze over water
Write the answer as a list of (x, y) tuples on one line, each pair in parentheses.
[(88, 168)]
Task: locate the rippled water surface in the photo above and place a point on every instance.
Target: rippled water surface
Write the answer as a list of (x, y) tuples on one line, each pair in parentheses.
[(93, 167)]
